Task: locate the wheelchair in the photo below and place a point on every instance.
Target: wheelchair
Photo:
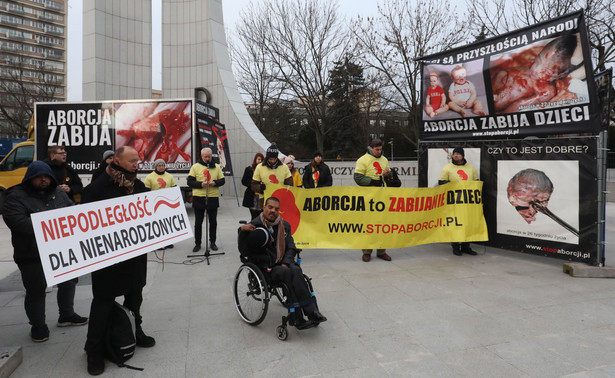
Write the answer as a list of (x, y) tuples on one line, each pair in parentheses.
[(253, 289)]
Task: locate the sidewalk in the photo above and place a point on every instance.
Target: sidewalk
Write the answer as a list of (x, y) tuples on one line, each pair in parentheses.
[(427, 313)]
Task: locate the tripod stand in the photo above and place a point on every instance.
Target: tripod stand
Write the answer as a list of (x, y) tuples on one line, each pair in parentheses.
[(207, 254)]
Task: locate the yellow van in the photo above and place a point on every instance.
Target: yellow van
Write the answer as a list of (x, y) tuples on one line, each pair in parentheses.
[(13, 166)]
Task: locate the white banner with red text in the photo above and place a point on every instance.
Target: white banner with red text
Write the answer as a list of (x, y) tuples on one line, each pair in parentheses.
[(77, 240)]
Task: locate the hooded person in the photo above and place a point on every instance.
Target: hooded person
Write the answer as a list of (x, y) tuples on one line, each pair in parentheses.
[(159, 178), (270, 171), (37, 192), (317, 174), (458, 170)]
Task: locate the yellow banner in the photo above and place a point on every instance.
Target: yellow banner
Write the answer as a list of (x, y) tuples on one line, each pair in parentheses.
[(346, 217)]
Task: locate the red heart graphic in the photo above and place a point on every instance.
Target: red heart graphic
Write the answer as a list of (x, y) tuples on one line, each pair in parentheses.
[(162, 183), (273, 179), (288, 208), (462, 174), (207, 176), (316, 175)]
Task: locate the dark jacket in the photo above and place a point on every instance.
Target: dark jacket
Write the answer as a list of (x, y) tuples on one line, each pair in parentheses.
[(266, 256), (65, 174), (21, 201), (126, 276), (100, 170), (325, 178), (246, 180)]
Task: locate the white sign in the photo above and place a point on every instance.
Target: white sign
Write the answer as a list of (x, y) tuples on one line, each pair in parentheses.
[(81, 239)]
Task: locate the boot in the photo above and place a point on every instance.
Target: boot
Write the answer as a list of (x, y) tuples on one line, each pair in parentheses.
[(143, 340)]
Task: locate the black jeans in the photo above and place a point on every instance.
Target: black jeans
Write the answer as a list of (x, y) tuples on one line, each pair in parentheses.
[(99, 318), (299, 291), (34, 282)]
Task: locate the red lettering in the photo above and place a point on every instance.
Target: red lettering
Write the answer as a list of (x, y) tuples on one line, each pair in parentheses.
[(48, 231)]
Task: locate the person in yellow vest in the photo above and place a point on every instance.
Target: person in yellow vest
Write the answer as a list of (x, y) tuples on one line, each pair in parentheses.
[(159, 178), (458, 170), (290, 163), (371, 170), (270, 171), (205, 178)]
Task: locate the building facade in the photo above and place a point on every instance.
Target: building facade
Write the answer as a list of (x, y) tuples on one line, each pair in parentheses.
[(33, 57)]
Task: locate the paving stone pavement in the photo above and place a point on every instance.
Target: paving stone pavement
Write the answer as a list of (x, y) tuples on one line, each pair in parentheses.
[(427, 313)]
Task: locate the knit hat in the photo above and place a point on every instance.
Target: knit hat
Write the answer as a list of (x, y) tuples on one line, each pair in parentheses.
[(289, 159), (272, 151), (317, 153), (460, 151), (159, 161), (107, 154)]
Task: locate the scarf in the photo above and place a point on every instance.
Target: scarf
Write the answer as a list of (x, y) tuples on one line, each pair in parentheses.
[(123, 178), (280, 246)]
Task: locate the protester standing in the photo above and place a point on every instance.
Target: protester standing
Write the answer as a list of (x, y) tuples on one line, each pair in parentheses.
[(290, 163), (38, 191), (250, 199), (458, 170), (270, 171), (125, 278), (317, 173), (205, 179), (372, 169), (65, 175)]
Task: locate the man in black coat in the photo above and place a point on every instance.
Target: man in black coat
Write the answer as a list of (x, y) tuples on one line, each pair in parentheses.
[(317, 174), (68, 180), (37, 192), (126, 278), (278, 251)]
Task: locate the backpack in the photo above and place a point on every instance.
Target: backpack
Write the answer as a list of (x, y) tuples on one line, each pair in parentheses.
[(120, 341)]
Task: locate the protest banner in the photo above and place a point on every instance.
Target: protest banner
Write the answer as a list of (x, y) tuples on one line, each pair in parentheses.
[(157, 129), (539, 195), (76, 240), (532, 81), (370, 217)]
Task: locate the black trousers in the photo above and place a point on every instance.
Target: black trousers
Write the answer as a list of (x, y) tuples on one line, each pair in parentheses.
[(299, 291), (34, 282), (100, 311), (461, 246), (212, 218)]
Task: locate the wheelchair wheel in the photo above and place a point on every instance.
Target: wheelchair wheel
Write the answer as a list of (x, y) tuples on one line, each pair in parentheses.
[(279, 293), (251, 294), (281, 332)]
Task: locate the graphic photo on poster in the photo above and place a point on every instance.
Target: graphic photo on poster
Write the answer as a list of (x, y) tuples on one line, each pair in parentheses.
[(157, 130), (454, 91), (439, 157), (546, 74), (538, 199)]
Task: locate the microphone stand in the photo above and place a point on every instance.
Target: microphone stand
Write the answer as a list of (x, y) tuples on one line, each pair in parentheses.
[(207, 254)]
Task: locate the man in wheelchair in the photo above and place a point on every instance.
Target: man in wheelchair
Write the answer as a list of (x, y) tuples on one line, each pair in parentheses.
[(267, 242)]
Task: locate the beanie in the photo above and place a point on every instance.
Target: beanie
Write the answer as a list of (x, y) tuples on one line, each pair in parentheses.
[(317, 153), (107, 154), (159, 161), (272, 151), (289, 159), (460, 151)]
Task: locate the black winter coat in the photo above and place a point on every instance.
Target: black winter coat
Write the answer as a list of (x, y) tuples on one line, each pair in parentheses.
[(65, 174), (266, 256), (21, 201), (324, 179), (246, 180), (126, 276)]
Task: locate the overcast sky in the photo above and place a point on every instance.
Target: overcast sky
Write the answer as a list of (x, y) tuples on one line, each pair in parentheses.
[(231, 10)]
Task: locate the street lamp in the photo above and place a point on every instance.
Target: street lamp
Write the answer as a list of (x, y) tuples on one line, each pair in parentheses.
[(391, 143)]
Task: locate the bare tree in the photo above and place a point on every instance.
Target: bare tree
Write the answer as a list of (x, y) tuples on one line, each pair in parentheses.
[(303, 40), (390, 42), (21, 85)]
